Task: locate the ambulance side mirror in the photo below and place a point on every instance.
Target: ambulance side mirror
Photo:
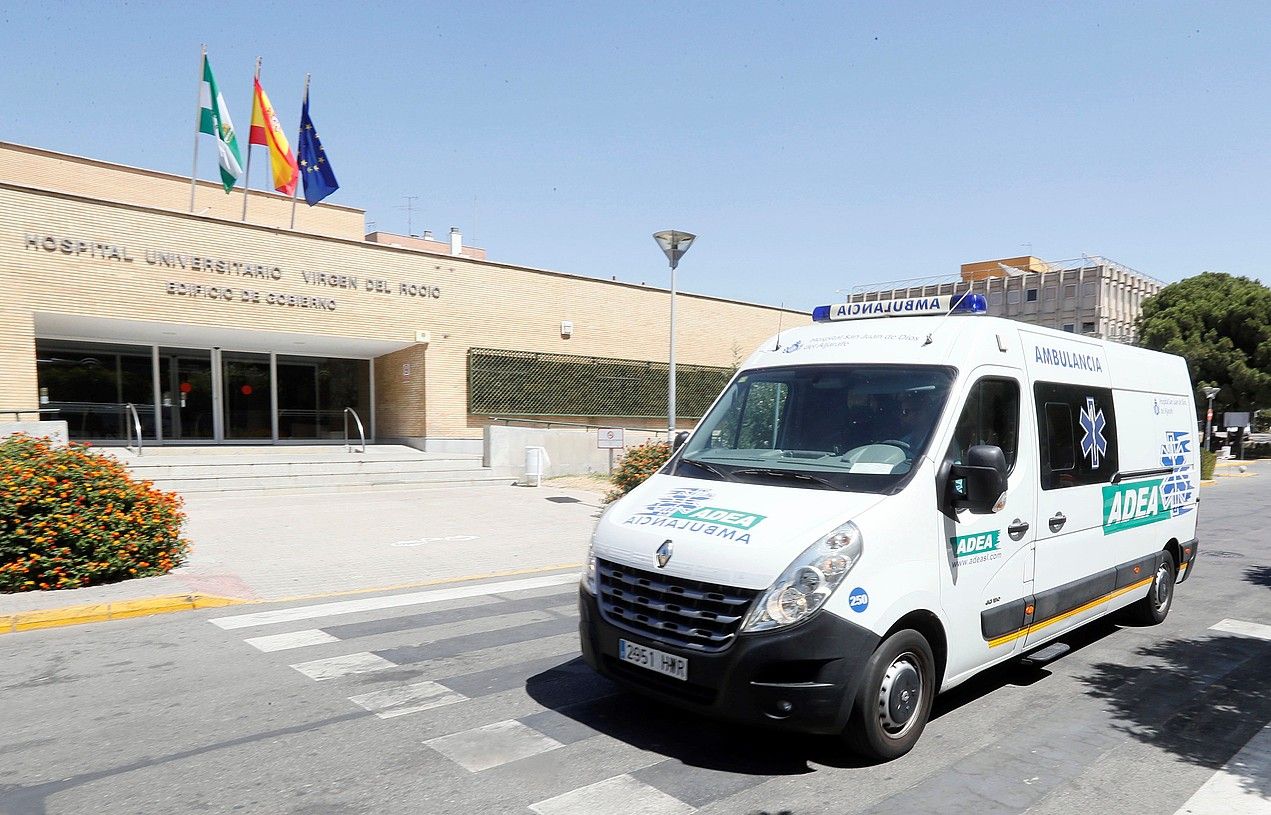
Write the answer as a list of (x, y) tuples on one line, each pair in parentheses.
[(679, 440), (984, 478)]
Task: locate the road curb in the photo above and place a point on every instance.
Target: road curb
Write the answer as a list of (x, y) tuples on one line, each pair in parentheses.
[(119, 610)]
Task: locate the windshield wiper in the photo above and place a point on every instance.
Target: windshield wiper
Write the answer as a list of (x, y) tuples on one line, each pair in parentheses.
[(824, 483), (715, 471)]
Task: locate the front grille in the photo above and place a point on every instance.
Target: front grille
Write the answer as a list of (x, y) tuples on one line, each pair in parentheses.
[(687, 613)]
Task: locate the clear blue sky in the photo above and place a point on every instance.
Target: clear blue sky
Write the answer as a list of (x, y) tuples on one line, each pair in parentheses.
[(812, 146)]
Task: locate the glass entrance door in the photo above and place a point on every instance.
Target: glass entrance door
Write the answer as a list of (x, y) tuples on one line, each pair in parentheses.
[(247, 396), (185, 379)]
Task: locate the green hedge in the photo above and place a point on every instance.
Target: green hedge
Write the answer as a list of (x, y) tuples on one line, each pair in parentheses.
[(1207, 461)]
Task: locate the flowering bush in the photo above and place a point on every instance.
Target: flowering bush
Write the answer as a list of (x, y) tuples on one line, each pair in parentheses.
[(639, 463), (71, 518)]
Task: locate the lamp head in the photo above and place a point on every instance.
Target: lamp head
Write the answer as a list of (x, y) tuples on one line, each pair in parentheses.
[(674, 243)]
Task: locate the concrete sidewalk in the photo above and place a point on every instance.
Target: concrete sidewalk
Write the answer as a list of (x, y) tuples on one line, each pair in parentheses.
[(250, 548)]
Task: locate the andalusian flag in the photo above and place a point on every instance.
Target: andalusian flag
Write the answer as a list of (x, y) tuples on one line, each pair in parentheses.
[(214, 120), (267, 131)]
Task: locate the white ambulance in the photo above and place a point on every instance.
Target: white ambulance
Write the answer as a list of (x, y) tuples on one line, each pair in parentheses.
[(886, 502)]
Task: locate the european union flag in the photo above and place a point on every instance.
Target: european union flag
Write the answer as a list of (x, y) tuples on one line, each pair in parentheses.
[(319, 178)]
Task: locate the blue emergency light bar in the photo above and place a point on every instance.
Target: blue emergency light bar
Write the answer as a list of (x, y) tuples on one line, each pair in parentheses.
[(903, 307)]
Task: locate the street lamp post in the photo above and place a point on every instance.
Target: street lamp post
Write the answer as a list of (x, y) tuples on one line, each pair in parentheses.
[(1210, 393), (674, 244)]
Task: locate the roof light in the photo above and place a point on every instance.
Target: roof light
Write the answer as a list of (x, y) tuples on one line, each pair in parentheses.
[(903, 307)]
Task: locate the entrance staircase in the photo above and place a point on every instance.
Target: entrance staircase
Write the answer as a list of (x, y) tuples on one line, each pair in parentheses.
[(310, 468)]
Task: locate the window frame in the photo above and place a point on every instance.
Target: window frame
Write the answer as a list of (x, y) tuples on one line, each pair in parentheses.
[(1073, 397), (1013, 460)]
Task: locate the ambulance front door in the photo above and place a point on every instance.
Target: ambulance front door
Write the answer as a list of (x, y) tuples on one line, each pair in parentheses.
[(987, 568)]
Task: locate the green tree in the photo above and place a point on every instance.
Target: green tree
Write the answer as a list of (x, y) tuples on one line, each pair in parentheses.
[(1222, 325)]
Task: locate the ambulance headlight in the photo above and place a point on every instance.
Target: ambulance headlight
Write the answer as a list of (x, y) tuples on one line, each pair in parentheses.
[(589, 570), (809, 581)]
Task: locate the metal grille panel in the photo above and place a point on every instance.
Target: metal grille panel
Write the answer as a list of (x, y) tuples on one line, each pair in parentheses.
[(524, 383), (687, 613)]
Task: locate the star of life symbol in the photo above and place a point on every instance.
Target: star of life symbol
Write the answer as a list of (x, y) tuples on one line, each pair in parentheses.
[(1093, 444), (684, 499)]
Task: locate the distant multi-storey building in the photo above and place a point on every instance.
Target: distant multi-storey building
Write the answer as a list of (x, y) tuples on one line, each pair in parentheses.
[(1089, 295)]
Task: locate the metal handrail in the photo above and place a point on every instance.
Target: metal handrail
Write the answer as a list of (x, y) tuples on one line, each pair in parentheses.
[(348, 448), (136, 423), (18, 411)]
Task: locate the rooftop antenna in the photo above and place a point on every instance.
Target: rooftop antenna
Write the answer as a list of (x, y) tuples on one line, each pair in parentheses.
[(781, 312), (954, 299), (409, 206)]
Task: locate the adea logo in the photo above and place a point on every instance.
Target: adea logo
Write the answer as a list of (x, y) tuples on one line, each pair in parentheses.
[(684, 509), (1125, 507), (966, 545), (858, 600)]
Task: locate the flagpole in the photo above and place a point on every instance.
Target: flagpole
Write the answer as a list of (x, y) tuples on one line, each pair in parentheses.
[(299, 135), (247, 170), (198, 121)]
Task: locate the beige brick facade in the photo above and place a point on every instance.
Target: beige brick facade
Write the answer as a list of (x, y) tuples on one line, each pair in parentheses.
[(77, 265)]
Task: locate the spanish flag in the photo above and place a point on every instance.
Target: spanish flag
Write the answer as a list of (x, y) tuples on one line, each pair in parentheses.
[(266, 130)]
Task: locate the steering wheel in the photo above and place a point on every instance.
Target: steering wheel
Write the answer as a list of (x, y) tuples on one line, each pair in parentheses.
[(897, 443)]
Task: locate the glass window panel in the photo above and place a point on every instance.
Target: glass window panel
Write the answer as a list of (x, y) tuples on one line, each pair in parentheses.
[(90, 383)]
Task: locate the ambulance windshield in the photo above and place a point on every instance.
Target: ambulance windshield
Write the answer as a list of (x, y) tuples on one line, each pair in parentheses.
[(842, 427)]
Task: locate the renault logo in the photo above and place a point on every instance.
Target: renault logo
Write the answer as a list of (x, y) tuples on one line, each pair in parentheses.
[(664, 553)]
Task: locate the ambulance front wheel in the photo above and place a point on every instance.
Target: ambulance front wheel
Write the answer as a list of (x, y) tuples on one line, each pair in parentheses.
[(894, 700), (1153, 608)]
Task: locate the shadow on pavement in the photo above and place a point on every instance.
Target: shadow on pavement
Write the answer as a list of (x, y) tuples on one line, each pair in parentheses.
[(1198, 699), (1019, 674), (691, 739), (573, 690), (1259, 575)]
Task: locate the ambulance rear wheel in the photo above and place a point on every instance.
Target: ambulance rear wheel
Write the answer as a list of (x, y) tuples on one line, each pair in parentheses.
[(894, 701), (1153, 609)]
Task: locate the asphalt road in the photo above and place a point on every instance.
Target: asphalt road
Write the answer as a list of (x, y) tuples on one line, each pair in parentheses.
[(476, 702)]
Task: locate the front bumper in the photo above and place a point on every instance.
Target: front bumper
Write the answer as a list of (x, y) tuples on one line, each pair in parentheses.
[(803, 678)]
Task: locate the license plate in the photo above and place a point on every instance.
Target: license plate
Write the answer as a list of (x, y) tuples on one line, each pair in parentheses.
[(652, 659)]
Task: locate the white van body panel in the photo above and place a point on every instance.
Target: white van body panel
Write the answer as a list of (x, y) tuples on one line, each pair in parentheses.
[(737, 534)]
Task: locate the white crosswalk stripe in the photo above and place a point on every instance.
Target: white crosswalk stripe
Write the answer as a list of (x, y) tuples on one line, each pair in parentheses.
[(332, 667), (1244, 629), (286, 615), (399, 701), (1228, 790), (620, 795), (493, 745), (294, 639)]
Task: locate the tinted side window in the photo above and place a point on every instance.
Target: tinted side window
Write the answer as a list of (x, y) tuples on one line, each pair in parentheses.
[(1076, 435), (990, 416)]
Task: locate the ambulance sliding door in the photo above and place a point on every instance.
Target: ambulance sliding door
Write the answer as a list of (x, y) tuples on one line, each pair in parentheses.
[(1077, 442)]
